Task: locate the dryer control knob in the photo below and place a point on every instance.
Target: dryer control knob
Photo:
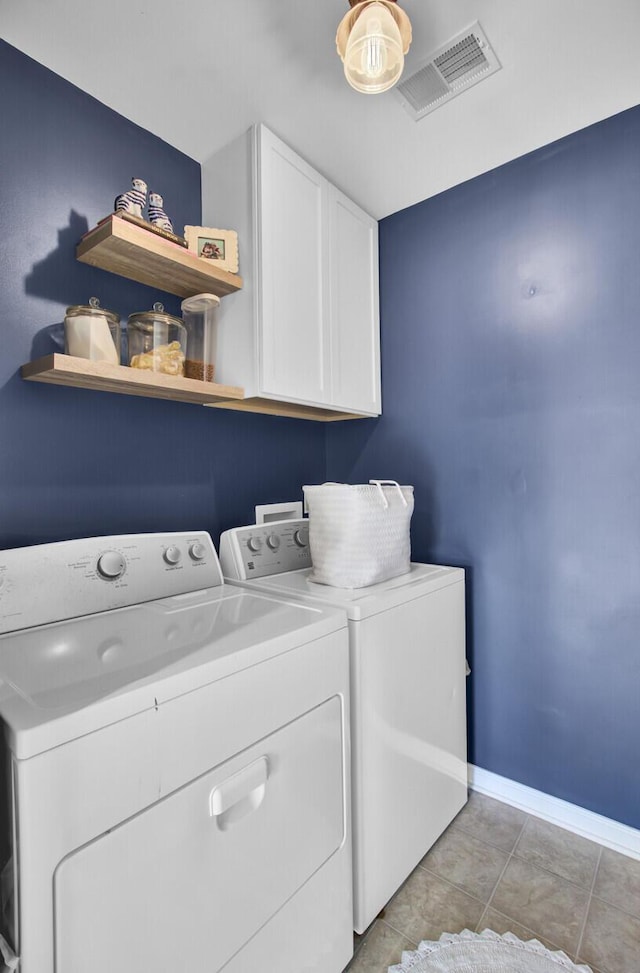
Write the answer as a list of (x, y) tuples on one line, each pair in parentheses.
[(111, 565), (172, 555), (197, 552), (301, 537), (273, 541), (254, 544)]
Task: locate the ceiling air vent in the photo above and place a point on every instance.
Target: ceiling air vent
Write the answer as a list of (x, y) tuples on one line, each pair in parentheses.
[(447, 72)]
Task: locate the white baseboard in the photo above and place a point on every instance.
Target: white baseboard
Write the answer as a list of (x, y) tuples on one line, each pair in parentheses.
[(605, 831)]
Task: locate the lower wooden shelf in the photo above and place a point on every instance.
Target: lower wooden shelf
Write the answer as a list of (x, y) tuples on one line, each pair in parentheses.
[(85, 374), (290, 410)]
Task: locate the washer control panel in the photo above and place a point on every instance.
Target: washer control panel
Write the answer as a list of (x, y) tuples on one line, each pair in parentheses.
[(52, 582), (262, 550)]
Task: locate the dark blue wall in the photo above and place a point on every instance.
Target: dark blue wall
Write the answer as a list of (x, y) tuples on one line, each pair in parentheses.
[(511, 387), (75, 462), (511, 377)]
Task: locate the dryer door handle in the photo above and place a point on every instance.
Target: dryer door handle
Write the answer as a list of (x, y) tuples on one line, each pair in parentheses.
[(239, 794)]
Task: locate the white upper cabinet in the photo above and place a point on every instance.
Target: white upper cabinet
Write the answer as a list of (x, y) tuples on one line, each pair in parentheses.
[(353, 309), (305, 328), (293, 275)]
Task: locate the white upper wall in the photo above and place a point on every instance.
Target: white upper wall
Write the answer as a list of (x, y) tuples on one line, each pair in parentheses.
[(198, 73)]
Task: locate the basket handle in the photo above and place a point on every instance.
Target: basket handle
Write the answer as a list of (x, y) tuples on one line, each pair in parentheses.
[(379, 484)]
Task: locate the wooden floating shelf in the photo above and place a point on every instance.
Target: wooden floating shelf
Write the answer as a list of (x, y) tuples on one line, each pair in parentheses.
[(103, 377), (85, 374), (133, 252)]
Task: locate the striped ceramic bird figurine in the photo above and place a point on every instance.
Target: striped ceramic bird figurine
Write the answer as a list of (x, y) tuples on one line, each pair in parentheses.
[(133, 201), (157, 215)]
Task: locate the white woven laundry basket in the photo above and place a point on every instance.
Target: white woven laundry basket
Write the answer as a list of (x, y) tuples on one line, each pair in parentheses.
[(359, 533)]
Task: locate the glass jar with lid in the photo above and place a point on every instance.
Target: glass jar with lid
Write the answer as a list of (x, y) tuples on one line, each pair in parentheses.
[(199, 313), (92, 332), (157, 341)]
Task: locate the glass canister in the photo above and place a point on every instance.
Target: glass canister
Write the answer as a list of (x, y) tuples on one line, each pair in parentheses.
[(199, 313), (92, 332), (157, 341)]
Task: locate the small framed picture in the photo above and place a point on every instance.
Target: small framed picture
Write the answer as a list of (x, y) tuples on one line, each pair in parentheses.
[(219, 246)]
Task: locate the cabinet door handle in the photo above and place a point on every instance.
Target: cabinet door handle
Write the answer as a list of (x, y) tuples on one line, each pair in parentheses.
[(239, 794)]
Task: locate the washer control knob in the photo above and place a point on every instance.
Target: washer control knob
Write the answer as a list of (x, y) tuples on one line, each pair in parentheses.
[(301, 537), (172, 555), (273, 541), (197, 552), (111, 565), (254, 544)]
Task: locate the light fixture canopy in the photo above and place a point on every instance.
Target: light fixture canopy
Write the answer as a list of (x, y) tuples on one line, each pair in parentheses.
[(372, 39)]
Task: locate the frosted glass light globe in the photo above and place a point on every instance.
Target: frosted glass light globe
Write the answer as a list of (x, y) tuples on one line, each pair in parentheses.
[(374, 59)]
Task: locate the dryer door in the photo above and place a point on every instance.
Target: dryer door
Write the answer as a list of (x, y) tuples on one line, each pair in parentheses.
[(186, 883)]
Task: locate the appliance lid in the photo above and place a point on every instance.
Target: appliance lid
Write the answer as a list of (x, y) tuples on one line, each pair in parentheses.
[(66, 679), (361, 603)]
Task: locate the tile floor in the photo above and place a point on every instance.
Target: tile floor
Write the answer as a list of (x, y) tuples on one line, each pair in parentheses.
[(496, 867)]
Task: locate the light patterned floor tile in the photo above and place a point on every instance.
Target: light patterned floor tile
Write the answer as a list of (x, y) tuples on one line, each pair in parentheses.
[(426, 906), (466, 861), (559, 851), (611, 939), (381, 946), (618, 882), (491, 821), (492, 919), (543, 902)]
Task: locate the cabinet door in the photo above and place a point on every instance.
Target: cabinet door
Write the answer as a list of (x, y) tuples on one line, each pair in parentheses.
[(293, 267), (355, 317)]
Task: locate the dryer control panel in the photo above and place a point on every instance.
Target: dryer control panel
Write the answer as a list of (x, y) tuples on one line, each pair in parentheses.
[(262, 550), (68, 579)]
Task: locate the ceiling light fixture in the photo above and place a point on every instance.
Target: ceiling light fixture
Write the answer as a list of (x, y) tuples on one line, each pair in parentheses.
[(372, 39)]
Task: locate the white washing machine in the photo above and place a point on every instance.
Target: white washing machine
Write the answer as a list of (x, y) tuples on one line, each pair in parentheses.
[(177, 757), (408, 716)]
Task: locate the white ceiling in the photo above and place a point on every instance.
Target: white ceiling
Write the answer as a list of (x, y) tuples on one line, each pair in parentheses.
[(198, 73)]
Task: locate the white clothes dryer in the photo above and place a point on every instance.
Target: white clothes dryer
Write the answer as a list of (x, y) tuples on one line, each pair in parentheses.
[(178, 755), (408, 713)]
